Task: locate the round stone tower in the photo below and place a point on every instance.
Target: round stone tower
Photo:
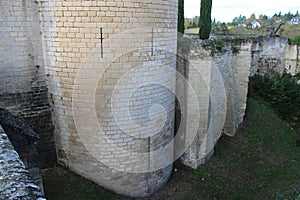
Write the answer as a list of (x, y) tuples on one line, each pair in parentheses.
[(110, 68)]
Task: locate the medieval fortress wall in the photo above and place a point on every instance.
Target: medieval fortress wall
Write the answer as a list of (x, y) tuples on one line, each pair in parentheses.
[(23, 89), (220, 80), (104, 73), (110, 65)]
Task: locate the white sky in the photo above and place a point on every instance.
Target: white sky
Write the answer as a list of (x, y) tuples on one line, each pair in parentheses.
[(226, 10)]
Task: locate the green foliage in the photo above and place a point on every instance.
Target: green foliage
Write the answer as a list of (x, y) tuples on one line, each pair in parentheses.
[(220, 28), (238, 23), (219, 44), (297, 39), (260, 161), (215, 45), (192, 23), (281, 91), (291, 31), (205, 19), (181, 16), (238, 20)]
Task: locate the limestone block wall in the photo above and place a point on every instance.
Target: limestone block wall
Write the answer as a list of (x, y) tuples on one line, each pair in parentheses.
[(298, 59), (194, 64), (23, 88), (219, 78), (220, 81), (235, 72), (292, 59), (242, 65), (274, 54), (110, 73)]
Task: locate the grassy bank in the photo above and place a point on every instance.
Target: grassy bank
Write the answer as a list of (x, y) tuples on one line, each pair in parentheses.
[(261, 162)]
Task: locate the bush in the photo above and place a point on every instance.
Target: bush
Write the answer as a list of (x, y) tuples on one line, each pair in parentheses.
[(281, 91), (297, 39)]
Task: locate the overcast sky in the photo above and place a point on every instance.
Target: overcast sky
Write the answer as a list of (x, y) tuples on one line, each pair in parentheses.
[(226, 10)]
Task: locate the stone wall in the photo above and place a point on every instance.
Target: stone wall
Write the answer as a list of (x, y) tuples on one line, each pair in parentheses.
[(111, 73), (274, 54), (220, 80), (23, 88), (15, 182), (24, 141), (218, 71), (107, 69)]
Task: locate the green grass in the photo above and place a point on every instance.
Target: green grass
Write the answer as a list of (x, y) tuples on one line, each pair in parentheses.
[(261, 162), (61, 184), (194, 31)]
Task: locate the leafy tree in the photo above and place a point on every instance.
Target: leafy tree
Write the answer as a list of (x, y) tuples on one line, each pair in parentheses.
[(181, 16), (288, 16), (192, 23), (219, 28), (224, 29), (205, 19), (263, 19), (195, 22), (238, 20), (251, 18), (187, 23)]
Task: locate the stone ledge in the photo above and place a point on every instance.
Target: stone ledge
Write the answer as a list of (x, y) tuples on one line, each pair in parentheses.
[(15, 182)]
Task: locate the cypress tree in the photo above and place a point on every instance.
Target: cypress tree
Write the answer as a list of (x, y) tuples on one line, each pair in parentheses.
[(180, 16), (205, 19)]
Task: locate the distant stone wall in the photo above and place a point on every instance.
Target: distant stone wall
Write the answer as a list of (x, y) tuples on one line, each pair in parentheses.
[(218, 71), (15, 182), (23, 88), (274, 54)]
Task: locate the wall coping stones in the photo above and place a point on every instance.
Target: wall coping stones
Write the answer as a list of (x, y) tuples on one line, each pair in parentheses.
[(15, 182)]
